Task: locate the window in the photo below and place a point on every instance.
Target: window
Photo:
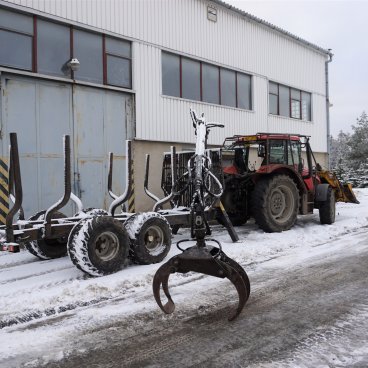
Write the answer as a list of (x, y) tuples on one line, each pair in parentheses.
[(295, 103), (210, 83), (278, 154), (194, 80), (118, 62), (289, 102), (170, 75), (228, 91), (16, 40), (191, 79), (88, 50), (35, 44), (244, 91), (306, 106), (284, 101), (295, 156), (53, 48), (274, 98)]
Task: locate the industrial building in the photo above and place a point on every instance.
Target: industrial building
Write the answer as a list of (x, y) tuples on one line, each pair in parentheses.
[(107, 71)]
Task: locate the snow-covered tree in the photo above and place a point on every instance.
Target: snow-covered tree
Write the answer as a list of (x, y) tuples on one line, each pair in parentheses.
[(349, 154), (339, 150), (358, 142)]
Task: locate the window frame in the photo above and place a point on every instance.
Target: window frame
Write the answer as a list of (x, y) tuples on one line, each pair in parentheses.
[(72, 28), (291, 99), (32, 36), (105, 54), (219, 68)]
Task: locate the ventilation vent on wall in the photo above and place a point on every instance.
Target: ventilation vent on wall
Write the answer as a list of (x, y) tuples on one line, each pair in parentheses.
[(211, 13)]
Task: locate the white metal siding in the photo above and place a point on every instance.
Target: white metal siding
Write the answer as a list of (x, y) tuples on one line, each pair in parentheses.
[(233, 41), (167, 118)]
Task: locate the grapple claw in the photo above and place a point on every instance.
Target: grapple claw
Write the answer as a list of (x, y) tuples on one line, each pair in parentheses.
[(238, 268), (206, 260), (161, 278), (236, 279)]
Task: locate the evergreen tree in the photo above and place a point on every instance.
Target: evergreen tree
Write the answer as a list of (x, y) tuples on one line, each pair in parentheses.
[(358, 142), (339, 150), (349, 154)]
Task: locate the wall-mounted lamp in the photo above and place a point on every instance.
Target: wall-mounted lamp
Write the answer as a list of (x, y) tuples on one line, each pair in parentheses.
[(73, 64)]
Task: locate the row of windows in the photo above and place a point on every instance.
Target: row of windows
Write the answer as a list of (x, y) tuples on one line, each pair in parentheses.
[(289, 102), (194, 80), (33, 44)]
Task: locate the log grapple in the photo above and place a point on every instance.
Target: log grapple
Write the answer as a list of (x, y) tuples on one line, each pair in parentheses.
[(202, 257)]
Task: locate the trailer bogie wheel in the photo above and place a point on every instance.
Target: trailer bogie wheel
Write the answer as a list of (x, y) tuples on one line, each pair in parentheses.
[(275, 203), (91, 212), (150, 237), (327, 208), (47, 248), (98, 245)]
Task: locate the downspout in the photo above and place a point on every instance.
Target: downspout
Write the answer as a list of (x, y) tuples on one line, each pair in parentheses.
[(328, 108)]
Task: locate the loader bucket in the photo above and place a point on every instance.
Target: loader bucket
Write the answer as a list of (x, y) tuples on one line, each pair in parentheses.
[(349, 194), (207, 260)]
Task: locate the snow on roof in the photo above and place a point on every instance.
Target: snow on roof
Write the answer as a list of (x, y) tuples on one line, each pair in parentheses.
[(272, 26)]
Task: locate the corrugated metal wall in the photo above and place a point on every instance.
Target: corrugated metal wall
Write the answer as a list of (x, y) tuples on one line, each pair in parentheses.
[(232, 41)]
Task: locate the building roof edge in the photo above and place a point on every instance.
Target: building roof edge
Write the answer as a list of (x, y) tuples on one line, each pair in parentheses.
[(272, 26)]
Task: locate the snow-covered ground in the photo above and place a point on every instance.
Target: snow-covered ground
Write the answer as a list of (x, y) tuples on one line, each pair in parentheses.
[(44, 303)]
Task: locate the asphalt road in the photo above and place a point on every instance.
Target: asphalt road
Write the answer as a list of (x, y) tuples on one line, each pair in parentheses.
[(304, 311)]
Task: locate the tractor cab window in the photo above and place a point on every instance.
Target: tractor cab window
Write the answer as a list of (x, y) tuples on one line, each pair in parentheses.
[(278, 152), (295, 156)]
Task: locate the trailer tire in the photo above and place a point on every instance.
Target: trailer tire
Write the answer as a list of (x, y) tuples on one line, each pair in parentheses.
[(327, 208), (150, 237), (99, 245), (91, 212), (47, 248), (275, 203)]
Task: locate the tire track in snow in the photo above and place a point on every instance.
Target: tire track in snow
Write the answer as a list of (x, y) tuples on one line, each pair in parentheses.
[(7, 266), (22, 278), (36, 314)]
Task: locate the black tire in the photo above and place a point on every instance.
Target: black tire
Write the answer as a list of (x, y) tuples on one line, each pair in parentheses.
[(91, 212), (327, 209), (275, 203), (175, 229), (47, 248), (150, 237), (98, 245), (234, 205), (236, 219)]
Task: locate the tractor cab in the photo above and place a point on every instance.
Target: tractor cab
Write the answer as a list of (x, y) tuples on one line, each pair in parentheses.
[(265, 152)]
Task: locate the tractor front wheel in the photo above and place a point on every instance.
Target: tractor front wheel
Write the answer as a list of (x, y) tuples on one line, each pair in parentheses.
[(275, 203)]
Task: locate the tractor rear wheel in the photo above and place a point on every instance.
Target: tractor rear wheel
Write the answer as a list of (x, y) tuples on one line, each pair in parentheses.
[(275, 203), (47, 248), (327, 209)]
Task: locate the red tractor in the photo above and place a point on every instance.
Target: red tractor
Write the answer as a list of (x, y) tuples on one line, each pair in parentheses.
[(275, 177)]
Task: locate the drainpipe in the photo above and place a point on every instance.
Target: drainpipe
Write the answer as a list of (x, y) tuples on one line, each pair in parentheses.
[(328, 107)]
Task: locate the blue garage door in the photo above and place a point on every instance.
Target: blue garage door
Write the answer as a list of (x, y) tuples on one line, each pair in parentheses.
[(41, 112)]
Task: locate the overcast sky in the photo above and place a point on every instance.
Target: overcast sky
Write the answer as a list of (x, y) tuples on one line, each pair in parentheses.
[(338, 25)]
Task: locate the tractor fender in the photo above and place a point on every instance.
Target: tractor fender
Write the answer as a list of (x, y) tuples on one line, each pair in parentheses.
[(281, 170), (321, 192)]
